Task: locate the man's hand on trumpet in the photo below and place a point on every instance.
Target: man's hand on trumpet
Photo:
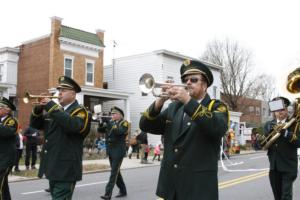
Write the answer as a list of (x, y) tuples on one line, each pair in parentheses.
[(43, 100), (179, 94)]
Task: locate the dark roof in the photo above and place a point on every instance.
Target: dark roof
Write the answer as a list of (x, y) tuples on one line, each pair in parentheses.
[(80, 35)]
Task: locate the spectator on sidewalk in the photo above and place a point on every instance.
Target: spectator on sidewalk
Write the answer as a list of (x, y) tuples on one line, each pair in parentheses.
[(157, 152), (135, 146), (19, 146), (32, 135), (143, 140)]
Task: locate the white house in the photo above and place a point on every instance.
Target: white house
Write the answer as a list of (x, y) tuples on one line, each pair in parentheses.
[(125, 72), (9, 58)]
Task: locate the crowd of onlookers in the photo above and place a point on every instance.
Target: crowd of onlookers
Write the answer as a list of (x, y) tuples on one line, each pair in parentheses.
[(28, 141)]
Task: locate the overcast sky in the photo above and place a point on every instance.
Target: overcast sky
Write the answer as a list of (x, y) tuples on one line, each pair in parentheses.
[(269, 28)]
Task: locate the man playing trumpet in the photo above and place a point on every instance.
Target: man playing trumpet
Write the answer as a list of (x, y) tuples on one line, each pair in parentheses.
[(192, 125), (65, 127)]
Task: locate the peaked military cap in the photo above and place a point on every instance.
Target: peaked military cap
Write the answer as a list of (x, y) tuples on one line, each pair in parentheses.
[(195, 67), (116, 109), (6, 103), (68, 83), (285, 100)]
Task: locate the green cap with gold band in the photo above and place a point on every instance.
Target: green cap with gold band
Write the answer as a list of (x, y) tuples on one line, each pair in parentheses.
[(190, 67), (4, 102), (117, 109), (68, 83)]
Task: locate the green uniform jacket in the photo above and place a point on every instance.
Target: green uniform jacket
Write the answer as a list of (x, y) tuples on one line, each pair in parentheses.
[(115, 134), (191, 149), (61, 156), (283, 153), (8, 134)]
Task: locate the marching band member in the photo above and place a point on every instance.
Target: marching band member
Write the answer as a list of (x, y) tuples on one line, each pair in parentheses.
[(65, 127), (8, 138)]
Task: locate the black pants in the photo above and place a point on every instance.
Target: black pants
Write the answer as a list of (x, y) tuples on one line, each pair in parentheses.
[(18, 157), (4, 189), (115, 176), (282, 184), (31, 151)]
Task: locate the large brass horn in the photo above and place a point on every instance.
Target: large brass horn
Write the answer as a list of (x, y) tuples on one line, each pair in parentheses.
[(147, 84), (29, 97), (293, 85)]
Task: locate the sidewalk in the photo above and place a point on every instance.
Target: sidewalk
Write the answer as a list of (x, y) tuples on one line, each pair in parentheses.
[(127, 164)]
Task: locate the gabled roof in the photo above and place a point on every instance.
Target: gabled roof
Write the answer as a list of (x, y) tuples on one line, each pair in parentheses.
[(79, 35)]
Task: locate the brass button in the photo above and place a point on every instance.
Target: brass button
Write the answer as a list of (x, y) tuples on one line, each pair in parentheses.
[(46, 141), (176, 150), (45, 151), (175, 166)]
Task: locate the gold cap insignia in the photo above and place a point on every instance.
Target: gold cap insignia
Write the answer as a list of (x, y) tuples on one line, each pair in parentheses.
[(187, 62), (62, 78)]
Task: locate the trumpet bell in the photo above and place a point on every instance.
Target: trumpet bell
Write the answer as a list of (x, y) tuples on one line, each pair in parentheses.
[(146, 83), (26, 98), (293, 84)]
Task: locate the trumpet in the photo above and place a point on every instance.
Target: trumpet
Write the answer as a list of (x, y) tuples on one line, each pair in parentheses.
[(147, 84), (29, 97), (98, 114)]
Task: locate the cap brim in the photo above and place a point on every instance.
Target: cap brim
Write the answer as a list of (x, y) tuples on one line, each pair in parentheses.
[(195, 71)]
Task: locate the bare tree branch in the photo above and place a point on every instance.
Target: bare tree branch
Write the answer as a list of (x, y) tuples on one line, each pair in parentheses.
[(237, 81)]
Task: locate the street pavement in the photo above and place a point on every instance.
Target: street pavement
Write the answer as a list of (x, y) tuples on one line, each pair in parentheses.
[(127, 164)]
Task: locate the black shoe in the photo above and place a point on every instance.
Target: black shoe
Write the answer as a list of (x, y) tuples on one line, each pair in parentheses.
[(17, 170), (106, 197), (47, 190), (33, 167), (121, 194)]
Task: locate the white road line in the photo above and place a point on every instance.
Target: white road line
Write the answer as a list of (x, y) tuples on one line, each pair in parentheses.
[(77, 186), (257, 157)]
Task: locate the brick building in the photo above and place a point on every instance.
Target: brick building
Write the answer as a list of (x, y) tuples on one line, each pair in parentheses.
[(254, 111), (65, 51)]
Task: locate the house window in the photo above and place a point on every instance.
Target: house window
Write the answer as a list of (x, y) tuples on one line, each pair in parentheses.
[(1, 72), (257, 110), (68, 67), (251, 109), (89, 80)]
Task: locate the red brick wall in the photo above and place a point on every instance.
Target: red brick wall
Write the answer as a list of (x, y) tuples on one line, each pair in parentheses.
[(33, 74)]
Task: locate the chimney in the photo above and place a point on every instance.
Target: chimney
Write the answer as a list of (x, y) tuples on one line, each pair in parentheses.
[(55, 25), (100, 34)]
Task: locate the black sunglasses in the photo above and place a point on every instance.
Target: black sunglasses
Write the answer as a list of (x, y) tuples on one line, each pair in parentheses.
[(192, 80)]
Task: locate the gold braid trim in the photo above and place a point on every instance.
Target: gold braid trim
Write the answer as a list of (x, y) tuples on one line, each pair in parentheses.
[(211, 104), (53, 108), (201, 113), (147, 115), (204, 111), (86, 118), (196, 112)]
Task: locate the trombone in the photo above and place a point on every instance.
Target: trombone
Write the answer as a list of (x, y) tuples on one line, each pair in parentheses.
[(147, 84), (29, 97)]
